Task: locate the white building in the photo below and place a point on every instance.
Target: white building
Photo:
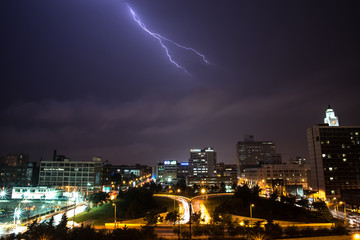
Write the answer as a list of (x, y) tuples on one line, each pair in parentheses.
[(43, 193), (202, 162), (84, 176)]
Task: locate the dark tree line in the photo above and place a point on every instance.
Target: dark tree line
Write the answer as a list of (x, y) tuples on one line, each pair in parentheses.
[(47, 230), (284, 209)]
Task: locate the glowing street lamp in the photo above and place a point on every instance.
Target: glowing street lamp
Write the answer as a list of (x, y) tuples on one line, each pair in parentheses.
[(114, 215), (251, 207), (2, 193)]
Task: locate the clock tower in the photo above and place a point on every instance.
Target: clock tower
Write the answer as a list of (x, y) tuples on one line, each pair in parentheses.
[(330, 118)]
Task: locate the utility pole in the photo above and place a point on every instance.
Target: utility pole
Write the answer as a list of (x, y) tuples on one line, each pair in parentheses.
[(190, 219)]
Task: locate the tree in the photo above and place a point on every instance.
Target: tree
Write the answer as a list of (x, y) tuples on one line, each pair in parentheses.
[(274, 196), (196, 218), (61, 229), (222, 187), (98, 197), (151, 218), (172, 216), (323, 210)]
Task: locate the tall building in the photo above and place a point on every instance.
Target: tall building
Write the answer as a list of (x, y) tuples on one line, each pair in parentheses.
[(251, 153), (334, 157), (202, 162)]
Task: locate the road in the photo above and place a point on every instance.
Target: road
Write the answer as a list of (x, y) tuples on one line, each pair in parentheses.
[(184, 206), (17, 228)]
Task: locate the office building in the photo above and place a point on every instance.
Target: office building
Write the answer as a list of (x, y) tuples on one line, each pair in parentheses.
[(82, 175), (280, 177), (251, 153), (168, 171), (334, 157), (202, 162), (17, 171), (227, 170)]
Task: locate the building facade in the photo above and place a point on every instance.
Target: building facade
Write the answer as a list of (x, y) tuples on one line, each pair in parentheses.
[(271, 177), (202, 162), (83, 175), (251, 153), (334, 157), (17, 171)]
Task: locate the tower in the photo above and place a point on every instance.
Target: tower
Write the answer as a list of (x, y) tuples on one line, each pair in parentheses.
[(330, 118)]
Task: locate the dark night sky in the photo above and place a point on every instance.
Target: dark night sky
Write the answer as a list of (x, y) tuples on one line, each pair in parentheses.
[(82, 77)]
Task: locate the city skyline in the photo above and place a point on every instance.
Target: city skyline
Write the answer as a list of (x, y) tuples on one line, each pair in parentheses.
[(83, 78)]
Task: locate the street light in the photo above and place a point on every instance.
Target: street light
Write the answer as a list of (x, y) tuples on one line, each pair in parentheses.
[(114, 215), (3, 193), (251, 206)]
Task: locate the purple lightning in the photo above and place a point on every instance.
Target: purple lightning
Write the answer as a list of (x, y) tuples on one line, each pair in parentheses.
[(161, 39)]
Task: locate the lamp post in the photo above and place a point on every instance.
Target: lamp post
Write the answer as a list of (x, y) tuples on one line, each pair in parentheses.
[(251, 206), (114, 215)]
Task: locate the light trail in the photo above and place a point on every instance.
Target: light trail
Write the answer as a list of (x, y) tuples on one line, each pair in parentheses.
[(161, 40), (184, 209)]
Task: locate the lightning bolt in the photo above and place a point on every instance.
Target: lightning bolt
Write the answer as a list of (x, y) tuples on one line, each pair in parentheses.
[(161, 40)]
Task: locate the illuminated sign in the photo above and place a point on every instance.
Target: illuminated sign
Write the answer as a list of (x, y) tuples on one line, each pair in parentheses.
[(195, 150), (184, 164), (168, 162)]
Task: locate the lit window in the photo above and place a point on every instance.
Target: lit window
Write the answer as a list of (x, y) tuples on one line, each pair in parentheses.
[(330, 168), (331, 178), (344, 155), (333, 192), (344, 159), (323, 155)]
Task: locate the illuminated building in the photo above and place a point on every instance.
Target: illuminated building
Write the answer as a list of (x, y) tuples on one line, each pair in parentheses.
[(43, 193), (166, 171), (202, 162), (334, 157), (280, 177), (227, 170), (251, 153), (330, 117), (84, 175), (211, 182)]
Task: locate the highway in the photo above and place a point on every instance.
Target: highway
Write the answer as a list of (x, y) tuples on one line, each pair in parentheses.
[(184, 206)]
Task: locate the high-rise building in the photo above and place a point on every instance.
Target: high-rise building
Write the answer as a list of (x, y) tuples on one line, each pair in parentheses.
[(251, 153), (202, 162), (334, 157)]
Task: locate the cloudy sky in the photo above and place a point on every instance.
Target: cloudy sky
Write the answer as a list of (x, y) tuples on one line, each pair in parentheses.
[(82, 77)]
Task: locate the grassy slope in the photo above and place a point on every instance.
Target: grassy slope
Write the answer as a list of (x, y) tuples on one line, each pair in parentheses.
[(279, 210), (212, 202), (105, 213)]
